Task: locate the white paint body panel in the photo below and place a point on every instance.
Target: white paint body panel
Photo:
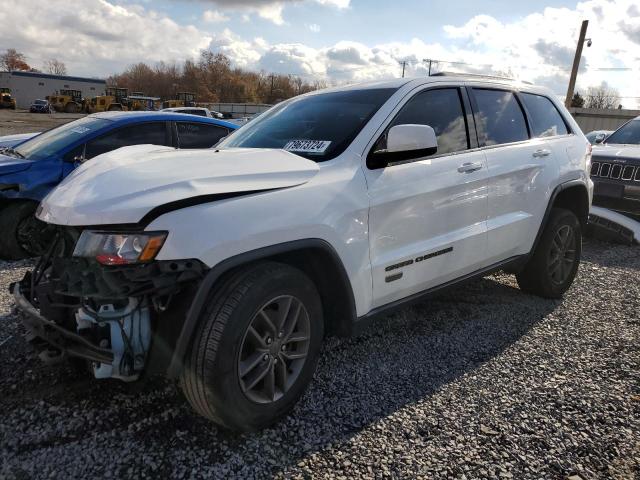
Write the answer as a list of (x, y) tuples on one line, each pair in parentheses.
[(123, 185), (371, 218)]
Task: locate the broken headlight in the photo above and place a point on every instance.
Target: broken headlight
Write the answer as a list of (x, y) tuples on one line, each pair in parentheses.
[(119, 248)]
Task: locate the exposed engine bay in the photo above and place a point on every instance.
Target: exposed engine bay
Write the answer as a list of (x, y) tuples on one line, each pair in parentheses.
[(112, 316)]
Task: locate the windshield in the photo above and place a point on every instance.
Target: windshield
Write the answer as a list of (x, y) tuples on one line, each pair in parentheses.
[(318, 127), (57, 139), (628, 134), (40, 102)]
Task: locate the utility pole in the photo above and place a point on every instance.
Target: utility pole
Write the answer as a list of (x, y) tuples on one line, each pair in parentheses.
[(576, 63), (404, 64)]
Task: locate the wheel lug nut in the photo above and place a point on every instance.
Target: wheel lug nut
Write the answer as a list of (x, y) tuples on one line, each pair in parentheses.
[(269, 340), (283, 348), (280, 335), (265, 358)]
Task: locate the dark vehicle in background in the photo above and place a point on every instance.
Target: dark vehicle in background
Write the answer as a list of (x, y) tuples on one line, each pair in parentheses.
[(30, 169), (615, 171), (598, 136), (41, 106)]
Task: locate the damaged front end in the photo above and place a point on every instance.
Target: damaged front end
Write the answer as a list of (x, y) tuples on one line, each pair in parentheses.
[(102, 297)]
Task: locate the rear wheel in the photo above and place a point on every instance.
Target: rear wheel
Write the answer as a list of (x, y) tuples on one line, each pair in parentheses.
[(554, 264), (256, 348), (23, 235)]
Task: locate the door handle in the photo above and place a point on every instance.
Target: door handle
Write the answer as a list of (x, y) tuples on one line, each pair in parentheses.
[(469, 167), (543, 152)]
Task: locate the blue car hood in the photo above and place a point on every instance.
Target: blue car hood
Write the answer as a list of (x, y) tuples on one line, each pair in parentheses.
[(9, 164)]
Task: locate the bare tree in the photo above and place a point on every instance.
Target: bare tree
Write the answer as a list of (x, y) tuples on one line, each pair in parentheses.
[(602, 96), (55, 67), (13, 60)]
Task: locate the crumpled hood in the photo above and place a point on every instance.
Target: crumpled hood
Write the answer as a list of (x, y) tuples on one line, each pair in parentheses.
[(10, 164), (620, 153), (122, 186)]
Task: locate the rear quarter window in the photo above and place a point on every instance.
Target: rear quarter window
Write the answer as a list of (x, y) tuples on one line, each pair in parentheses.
[(546, 121)]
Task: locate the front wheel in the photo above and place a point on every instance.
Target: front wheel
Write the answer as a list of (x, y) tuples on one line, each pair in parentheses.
[(256, 347), (23, 235), (551, 270)]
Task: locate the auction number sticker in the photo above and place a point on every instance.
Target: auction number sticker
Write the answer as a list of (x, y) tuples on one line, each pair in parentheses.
[(308, 146)]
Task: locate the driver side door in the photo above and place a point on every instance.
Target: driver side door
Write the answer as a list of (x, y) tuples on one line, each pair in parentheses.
[(427, 217)]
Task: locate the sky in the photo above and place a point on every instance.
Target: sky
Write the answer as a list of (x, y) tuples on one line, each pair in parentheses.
[(339, 41)]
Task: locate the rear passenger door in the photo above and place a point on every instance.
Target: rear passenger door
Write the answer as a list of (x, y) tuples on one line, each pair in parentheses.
[(521, 168), (427, 217), (199, 135)]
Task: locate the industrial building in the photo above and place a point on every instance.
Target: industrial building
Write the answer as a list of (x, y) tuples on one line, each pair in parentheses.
[(28, 86)]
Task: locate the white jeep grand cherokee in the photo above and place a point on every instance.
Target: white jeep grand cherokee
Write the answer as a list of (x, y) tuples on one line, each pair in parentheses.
[(226, 268)]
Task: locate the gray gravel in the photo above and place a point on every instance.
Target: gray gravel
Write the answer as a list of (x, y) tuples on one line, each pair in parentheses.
[(485, 382)]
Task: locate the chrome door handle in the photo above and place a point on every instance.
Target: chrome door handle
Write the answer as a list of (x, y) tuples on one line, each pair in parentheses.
[(543, 152), (469, 167)]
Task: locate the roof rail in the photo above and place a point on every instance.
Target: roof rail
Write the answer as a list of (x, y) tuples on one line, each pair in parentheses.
[(471, 75)]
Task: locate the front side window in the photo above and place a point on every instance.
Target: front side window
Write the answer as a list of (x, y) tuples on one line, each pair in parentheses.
[(200, 113), (154, 133), (442, 110), (628, 134), (546, 121), (199, 135), (318, 127), (499, 117)]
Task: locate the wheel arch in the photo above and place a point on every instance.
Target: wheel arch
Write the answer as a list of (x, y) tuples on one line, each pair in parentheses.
[(314, 256)]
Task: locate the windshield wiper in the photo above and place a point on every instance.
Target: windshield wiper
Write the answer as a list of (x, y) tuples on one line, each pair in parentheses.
[(12, 151)]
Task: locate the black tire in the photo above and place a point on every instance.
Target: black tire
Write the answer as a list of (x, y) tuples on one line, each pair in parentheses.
[(23, 235), (551, 270), (211, 379)]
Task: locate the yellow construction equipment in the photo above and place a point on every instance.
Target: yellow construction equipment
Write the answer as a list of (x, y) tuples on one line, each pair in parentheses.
[(182, 99), (6, 100), (68, 101), (114, 99)]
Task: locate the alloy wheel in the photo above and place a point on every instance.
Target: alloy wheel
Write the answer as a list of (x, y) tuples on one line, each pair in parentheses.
[(562, 255), (274, 349)]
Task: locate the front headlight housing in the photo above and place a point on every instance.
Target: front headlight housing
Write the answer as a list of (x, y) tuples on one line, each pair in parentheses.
[(119, 248)]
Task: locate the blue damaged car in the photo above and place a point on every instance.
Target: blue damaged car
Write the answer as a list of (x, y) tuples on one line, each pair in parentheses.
[(30, 169)]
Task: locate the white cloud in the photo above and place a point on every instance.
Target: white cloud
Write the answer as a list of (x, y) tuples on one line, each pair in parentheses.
[(270, 9), (314, 27), (214, 16), (95, 37)]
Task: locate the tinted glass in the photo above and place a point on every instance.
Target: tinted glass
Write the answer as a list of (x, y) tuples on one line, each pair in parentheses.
[(53, 141), (545, 118), (199, 135), (628, 134), (142, 133), (442, 111), (201, 113), (318, 127), (499, 117)]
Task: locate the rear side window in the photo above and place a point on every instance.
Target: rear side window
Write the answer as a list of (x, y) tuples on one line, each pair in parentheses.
[(546, 121), (199, 135), (442, 110), (499, 117), (154, 133)]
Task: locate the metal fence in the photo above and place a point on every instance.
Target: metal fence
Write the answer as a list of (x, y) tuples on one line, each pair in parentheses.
[(239, 109), (591, 119)]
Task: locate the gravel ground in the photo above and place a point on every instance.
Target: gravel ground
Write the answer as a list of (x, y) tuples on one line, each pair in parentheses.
[(21, 121), (485, 382)]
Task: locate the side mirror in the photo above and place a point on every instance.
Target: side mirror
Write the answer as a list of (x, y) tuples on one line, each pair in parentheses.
[(600, 138), (405, 142)]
